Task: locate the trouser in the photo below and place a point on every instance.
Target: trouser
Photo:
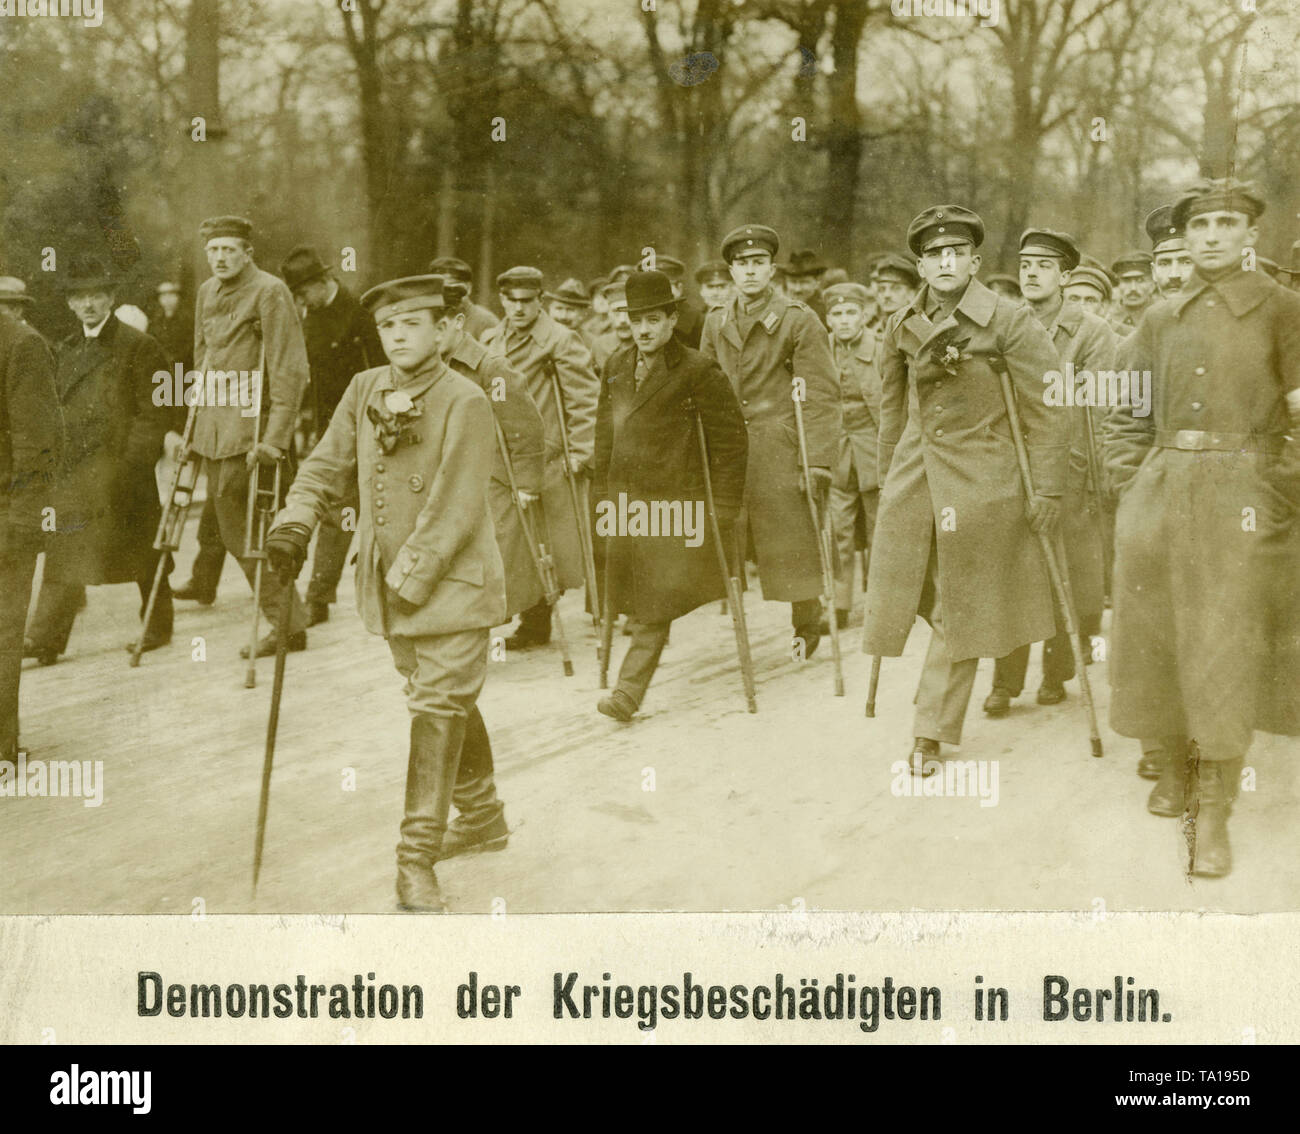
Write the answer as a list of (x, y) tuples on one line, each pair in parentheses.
[(845, 508), (945, 688), (59, 602), (1058, 658), (444, 674), (641, 659), (17, 566), (805, 612), (332, 543), (205, 572), (228, 483)]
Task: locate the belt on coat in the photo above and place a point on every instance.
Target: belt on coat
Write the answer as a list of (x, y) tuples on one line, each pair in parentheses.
[(1223, 442)]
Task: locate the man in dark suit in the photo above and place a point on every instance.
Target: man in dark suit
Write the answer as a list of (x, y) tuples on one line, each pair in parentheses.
[(108, 509), (648, 457), (31, 442)]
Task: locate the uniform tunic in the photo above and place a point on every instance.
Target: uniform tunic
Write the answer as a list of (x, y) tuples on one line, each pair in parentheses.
[(543, 349), (762, 351), (951, 478), (1204, 603), (855, 487)]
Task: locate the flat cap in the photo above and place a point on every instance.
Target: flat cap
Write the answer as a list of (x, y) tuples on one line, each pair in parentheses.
[(615, 293), (750, 238), (410, 293), (805, 262), (1131, 263), (520, 278), (846, 293), (239, 227), (1049, 242), (452, 269), (672, 267), (13, 290), (714, 271), (571, 291), (944, 225), (1094, 277), (899, 267), (1216, 195), (1162, 230)]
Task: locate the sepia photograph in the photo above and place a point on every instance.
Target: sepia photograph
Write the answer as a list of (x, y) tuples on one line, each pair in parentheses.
[(649, 456)]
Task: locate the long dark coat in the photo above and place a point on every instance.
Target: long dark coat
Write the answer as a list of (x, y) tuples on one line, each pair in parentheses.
[(785, 341), (31, 431), (109, 510), (647, 447), (950, 475), (1204, 642)]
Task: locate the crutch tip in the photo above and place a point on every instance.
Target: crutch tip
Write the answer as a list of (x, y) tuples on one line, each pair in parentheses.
[(1096, 746), (568, 669), (871, 710)]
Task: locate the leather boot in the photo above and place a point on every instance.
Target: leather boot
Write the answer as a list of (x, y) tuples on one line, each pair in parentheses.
[(1216, 783), (430, 779), (481, 822), (1169, 796)]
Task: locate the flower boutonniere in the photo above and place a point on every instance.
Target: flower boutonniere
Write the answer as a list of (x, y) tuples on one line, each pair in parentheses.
[(392, 422), (949, 352)]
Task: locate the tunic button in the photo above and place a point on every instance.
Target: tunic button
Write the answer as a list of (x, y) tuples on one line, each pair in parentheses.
[(379, 468), (380, 520), (1197, 405), (379, 486), (938, 432), (1200, 370), (379, 503), (938, 409)]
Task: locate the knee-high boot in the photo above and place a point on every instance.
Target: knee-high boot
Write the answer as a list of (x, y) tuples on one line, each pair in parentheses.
[(430, 779)]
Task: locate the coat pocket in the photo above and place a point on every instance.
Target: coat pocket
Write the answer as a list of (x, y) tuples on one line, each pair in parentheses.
[(470, 571)]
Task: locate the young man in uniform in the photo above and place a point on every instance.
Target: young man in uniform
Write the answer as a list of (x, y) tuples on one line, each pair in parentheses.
[(955, 533), (416, 440), (1086, 343), (1209, 483), (1171, 263), (763, 342), (1136, 289)]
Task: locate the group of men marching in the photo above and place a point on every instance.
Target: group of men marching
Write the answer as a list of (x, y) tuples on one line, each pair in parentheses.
[(918, 419)]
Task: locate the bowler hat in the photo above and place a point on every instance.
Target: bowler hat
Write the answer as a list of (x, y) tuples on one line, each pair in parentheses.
[(301, 266), (88, 273), (647, 291)]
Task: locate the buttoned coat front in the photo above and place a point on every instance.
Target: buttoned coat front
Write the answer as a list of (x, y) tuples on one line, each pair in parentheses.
[(785, 341), (647, 448), (950, 477), (1206, 640), (855, 463), (428, 562)]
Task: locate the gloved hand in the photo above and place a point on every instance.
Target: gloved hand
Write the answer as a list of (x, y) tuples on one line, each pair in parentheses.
[(264, 453), (821, 483), (286, 549), (1044, 513)]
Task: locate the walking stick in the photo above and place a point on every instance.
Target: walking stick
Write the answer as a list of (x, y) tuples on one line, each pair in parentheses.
[(541, 561), (579, 506), (871, 688), (734, 601), (823, 549), (171, 524), (1056, 569), (272, 724), (606, 616), (1098, 489)]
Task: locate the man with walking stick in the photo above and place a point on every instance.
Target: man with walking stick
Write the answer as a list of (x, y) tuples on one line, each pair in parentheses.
[(245, 322), (670, 442), (775, 350), (559, 376), (955, 533), (416, 439)]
